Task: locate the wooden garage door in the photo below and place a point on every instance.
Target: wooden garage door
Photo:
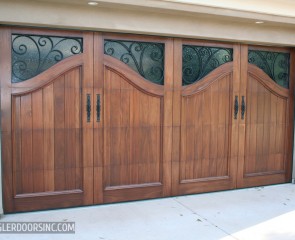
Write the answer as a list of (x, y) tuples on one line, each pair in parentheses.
[(47, 150), (133, 132), (267, 82), (91, 118), (205, 116)]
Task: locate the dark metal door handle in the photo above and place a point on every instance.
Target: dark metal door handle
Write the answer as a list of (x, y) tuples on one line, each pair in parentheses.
[(243, 107), (88, 107), (236, 107), (98, 107)]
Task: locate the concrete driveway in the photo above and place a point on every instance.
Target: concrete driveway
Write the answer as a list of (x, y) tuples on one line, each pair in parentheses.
[(262, 213)]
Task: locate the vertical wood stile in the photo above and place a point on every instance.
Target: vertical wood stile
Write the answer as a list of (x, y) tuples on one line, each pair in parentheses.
[(238, 144), (177, 121), (8, 164), (87, 127), (98, 134), (290, 119)]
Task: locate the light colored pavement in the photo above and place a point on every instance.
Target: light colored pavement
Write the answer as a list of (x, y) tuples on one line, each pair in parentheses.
[(264, 213)]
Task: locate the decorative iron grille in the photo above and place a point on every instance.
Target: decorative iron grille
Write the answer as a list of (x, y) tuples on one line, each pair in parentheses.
[(274, 64), (146, 58), (198, 61), (33, 54)]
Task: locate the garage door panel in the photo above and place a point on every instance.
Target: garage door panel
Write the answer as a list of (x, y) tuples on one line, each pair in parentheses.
[(91, 118), (134, 121), (267, 131), (48, 139), (204, 135), (137, 117), (44, 103)]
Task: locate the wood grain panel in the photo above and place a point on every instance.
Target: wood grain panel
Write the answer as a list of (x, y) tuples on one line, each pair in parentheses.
[(47, 126), (148, 135), (222, 136), (44, 134), (265, 134), (204, 132), (59, 133), (37, 140), (72, 126), (137, 131), (48, 131), (203, 128), (133, 132), (26, 144)]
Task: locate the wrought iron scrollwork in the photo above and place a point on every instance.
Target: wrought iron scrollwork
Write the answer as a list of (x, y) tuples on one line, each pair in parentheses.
[(198, 61), (33, 54), (146, 58), (274, 64)]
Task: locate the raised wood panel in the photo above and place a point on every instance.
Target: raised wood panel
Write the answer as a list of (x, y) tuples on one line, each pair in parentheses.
[(265, 131), (205, 132), (47, 136), (133, 133), (137, 131), (266, 158), (204, 126)]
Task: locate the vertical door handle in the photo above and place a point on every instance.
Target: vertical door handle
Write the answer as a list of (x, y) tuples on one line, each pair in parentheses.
[(98, 107), (88, 107), (243, 107), (236, 107)]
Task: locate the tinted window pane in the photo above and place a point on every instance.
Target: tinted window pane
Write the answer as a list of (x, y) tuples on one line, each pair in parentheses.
[(32, 54), (198, 61), (274, 64), (145, 58)]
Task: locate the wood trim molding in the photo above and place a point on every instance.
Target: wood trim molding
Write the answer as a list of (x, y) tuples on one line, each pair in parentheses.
[(204, 83), (265, 80), (132, 77), (47, 76)]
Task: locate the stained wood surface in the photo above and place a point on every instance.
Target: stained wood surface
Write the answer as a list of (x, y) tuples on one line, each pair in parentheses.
[(265, 132), (132, 133), (47, 163), (47, 123), (137, 128), (203, 116), (205, 132), (151, 140), (265, 158)]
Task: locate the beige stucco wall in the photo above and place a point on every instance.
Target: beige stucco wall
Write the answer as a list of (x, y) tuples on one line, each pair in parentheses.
[(227, 20), (187, 21), (275, 7)]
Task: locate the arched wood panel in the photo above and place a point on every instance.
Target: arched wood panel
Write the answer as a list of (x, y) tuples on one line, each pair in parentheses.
[(133, 131), (267, 126), (47, 127), (133, 136), (205, 131), (136, 135), (47, 158), (265, 131), (206, 160)]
